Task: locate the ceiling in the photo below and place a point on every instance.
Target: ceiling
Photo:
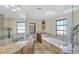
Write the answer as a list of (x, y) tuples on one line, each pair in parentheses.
[(37, 11)]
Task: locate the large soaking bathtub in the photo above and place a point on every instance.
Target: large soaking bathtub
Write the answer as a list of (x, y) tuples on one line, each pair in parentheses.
[(64, 45)]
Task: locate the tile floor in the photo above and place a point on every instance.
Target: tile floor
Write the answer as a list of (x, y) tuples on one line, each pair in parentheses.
[(41, 49)]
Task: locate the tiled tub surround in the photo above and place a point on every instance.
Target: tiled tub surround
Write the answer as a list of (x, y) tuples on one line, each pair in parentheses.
[(64, 45)]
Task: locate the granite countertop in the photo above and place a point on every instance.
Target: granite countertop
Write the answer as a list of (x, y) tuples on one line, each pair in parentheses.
[(12, 47)]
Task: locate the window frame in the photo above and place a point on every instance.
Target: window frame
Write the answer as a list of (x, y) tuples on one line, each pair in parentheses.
[(61, 25), (33, 26), (17, 26)]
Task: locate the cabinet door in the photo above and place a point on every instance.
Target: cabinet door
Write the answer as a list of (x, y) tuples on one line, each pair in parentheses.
[(19, 52), (39, 39), (28, 49)]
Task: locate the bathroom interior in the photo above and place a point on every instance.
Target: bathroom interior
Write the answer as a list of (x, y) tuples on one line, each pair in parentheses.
[(39, 29)]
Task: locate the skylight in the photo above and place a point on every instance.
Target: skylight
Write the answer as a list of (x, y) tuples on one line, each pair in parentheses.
[(13, 7)]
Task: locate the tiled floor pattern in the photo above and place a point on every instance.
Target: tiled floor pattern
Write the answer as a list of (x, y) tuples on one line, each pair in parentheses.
[(40, 49)]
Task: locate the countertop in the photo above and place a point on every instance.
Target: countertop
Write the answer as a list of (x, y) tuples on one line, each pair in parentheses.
[(13, 47)]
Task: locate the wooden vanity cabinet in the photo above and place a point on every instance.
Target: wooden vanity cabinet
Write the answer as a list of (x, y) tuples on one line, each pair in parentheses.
[(28, 49), (39, 39)]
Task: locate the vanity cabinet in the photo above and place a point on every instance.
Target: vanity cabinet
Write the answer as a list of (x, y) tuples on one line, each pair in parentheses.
[(27, 49), (39, 39)]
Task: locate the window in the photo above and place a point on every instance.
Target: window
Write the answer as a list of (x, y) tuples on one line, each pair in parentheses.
[(61, 27), (21, 28), (32, 28)]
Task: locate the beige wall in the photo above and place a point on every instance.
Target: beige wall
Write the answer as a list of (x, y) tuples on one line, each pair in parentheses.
[(65, 16), (72, 21), (10, 22), (38, 25), (51, 23), (7, 22)]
